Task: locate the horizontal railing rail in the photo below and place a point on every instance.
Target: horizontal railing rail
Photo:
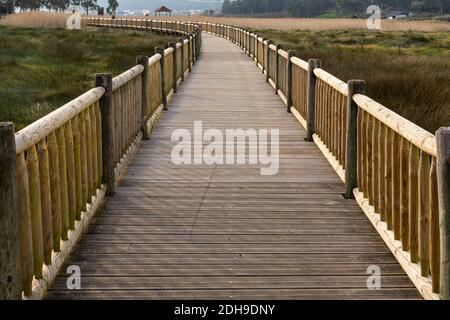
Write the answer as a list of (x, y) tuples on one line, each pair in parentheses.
[(398, 172), (62, 166)]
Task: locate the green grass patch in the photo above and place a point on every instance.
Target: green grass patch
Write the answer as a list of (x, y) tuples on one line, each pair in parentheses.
[(327, 15), (42, 69)]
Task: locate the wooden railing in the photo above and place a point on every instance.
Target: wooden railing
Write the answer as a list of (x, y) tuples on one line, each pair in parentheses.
[(56, 172), (331, 115), (397, 172), (397, 177)]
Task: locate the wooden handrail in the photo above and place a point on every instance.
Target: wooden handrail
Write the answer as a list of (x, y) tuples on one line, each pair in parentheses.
[(331, 80), (168, 51), (283, 53), (407, 129), (69, 160), (41, 128), (396, 160), (127, 76), (300, 63)]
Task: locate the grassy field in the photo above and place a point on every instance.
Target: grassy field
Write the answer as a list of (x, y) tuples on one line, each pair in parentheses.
[(36, 19), (315, 24), (41, 69), (43, 19), (408, 72), (406, 66)]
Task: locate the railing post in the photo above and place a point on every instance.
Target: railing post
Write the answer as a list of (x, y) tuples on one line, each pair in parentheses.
[(249, 46), (256, 48), (190, 53), (311, 99), (107, 114), (160, 51), (238, 35), (143, 61), (269, 42), (197, 51), (291, 53), (181, 40), (263, 62), (277, 67), (351, 167), (174, 69), (10, 265), (199, 43), (443, 179), (194, 49)]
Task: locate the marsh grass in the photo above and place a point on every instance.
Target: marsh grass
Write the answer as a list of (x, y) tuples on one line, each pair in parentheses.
[(36, 19), (51, 20), (408, 72), (320, 24), (42, 69)]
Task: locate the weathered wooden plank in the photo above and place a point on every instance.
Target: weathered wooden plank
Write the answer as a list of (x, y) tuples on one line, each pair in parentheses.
[(229, 282), (263, 294), (244, 270)]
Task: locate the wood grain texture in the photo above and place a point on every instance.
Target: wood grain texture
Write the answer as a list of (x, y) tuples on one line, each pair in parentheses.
[(10, 272), (174, 232)]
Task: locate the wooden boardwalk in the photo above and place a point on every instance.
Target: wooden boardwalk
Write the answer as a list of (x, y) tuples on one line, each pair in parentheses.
[(204, 232)]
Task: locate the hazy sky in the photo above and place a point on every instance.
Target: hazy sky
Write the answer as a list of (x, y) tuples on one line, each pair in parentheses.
[(172, 4)]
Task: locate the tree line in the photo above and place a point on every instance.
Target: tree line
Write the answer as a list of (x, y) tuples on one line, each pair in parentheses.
[(311, 8), (62, 5)]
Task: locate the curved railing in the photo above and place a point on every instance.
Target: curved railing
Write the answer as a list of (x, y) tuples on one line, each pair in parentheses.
[(61, 167), (394, 169), (398, 172)]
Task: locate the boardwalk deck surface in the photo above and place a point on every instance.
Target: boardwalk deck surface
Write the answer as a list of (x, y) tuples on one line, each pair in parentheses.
[(188, 232)]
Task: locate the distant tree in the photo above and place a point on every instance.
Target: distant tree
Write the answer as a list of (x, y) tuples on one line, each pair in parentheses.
[(29, 4), (85, 4), (112, 6), (227, 6), (57, 5)]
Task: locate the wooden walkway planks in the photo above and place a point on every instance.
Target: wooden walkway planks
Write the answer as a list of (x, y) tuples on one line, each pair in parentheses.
[(226, 232)]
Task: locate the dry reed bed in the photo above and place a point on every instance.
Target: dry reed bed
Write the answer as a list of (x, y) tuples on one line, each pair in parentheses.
[(55, 20), (288, 24), (36, 20)]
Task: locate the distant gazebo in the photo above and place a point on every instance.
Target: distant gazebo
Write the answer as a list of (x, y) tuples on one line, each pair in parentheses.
[(163, 9)]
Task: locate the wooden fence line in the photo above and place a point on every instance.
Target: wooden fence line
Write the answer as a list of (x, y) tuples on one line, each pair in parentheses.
[(401, 172), (390, 165), (60, 168)]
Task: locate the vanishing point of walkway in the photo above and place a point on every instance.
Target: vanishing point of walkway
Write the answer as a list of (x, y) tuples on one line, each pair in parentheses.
[(226, 232)]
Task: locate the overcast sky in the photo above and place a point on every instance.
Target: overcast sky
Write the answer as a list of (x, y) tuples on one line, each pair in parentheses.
[(172, 4)]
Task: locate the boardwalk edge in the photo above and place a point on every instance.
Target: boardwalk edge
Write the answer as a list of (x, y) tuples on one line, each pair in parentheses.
[(40, 286), (423, 284)]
